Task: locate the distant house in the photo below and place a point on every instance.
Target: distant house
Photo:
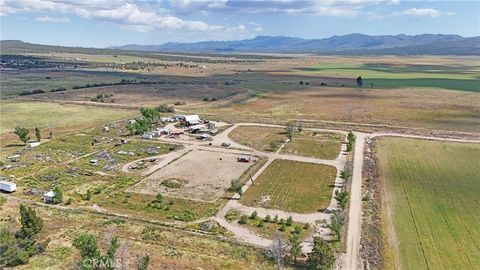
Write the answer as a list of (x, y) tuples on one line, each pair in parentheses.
[(7, 186), (191, 120), (48, 197)]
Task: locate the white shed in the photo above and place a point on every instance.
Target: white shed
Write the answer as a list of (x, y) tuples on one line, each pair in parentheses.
[(48, 197), (7, 186), (33, 144), (192, 119)]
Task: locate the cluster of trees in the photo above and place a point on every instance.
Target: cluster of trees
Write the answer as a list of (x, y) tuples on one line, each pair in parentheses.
[(165, 108), (150, 116), (322, 256), (17, 247), (33, 92), (210, 99), (23, 134), (101, 97), (93, 259), (58, 89)]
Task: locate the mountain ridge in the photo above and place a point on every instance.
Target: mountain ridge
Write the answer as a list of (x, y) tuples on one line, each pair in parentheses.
[(348, 44)]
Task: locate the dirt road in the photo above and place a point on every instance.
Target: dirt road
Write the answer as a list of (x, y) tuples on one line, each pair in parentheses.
[(352, 257)]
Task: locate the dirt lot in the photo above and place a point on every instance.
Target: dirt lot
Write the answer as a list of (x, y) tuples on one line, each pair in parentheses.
[(199, 175)]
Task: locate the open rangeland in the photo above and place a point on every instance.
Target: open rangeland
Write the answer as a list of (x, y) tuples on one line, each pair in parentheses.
[(169, 248), (292, 186), (432, 203), (314, 144), (200, 175), (259, 138), (62, 118)]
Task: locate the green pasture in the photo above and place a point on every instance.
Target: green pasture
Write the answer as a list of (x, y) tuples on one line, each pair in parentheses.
[(383, 75), (433, 192)]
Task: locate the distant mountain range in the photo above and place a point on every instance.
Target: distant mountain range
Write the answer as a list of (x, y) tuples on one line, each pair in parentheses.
[(353, 44), (347, 44)]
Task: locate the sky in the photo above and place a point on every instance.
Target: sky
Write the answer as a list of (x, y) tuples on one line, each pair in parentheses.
[(103, 23)]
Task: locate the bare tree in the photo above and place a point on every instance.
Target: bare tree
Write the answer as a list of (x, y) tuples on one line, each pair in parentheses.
[(50, 128), (277, 250)]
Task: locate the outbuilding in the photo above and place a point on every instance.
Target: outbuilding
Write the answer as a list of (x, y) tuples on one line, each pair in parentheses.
[(7, 186), (192, 120), (49, 196), (147, 136), (33, 144)]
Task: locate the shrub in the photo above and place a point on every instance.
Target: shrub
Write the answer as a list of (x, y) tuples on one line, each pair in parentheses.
[(289, 221), (243, 219), (253, 215), (165, 108), (267, 218), (69, 201)]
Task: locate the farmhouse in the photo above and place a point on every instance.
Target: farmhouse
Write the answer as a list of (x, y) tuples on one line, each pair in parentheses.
[(48, 197), (7, 186)]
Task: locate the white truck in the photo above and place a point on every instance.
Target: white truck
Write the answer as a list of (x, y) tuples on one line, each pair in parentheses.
[(7, 186)]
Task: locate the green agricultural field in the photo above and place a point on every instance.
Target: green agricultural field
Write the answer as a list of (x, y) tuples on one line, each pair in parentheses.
[(391, 75), (292, 186), (313, 144), (61, 116), (432, 196), (259, 138)]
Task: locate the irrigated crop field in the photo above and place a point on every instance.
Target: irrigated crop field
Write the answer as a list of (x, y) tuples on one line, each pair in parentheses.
[(292, 186), (432, 203), (395, 72)]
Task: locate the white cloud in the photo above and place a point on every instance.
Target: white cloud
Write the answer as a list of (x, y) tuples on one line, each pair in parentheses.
[(125, 13), (52, 19), (423, 12), (258, 29)]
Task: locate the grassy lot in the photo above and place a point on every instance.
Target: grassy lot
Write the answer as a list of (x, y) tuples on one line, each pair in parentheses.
[(260, 138), (292, 186), (432, 190), (63, 117), (425, 108), (313, 144), (268, 227)]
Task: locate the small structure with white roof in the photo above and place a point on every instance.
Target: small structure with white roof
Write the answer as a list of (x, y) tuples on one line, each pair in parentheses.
[(192, 120), (7, 186), (49, 196)]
